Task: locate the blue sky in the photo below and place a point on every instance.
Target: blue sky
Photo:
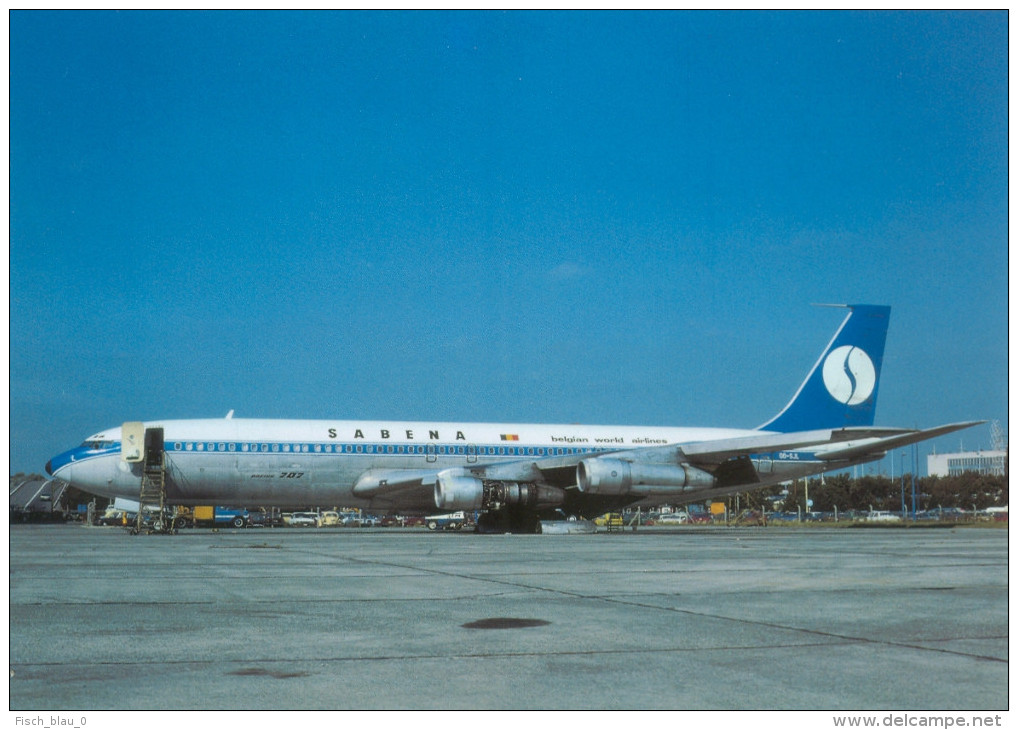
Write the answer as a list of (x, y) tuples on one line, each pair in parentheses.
[(487, 216)]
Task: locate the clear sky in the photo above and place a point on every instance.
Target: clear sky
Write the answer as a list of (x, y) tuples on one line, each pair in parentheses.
[(595, 217)]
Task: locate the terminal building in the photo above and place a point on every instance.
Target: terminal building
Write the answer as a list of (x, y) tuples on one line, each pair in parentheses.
[(992, 463)]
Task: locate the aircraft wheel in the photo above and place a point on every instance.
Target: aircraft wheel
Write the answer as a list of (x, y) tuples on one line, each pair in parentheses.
[(238, 521), (432, 525)]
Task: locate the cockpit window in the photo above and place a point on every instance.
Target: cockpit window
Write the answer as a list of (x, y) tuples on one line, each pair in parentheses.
[(98, 445)]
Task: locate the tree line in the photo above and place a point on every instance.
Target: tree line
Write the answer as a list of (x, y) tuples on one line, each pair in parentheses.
[(968, 491)]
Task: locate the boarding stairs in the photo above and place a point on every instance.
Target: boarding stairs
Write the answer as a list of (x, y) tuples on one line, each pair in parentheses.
[(152, 497)]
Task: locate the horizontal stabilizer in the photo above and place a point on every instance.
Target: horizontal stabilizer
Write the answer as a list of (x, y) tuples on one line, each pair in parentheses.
[(854, 449), (715, 452)]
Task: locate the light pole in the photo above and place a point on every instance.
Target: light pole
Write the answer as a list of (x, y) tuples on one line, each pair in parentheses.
[(902, 456)]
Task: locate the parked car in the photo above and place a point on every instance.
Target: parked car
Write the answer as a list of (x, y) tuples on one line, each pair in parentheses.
[(114, 517), (672, 518), (263, 518), (882, 516), (304, 519), (329, 519)]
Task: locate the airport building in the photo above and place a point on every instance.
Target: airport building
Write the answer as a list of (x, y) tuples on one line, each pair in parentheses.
[(993, 463)]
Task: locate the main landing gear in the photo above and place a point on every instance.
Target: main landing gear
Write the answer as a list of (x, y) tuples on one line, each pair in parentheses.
[(506, 521)]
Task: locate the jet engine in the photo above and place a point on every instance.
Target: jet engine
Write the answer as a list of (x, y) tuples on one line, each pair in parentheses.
[(459, 492), (616, 477)]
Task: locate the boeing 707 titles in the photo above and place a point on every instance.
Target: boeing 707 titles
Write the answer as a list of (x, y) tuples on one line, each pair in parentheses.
[(512, 474)]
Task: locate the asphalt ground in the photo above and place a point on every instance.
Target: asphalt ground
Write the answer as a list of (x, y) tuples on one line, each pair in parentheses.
[(680, 618)]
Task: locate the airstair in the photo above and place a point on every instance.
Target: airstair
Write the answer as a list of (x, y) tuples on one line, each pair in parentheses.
[(152, 497)]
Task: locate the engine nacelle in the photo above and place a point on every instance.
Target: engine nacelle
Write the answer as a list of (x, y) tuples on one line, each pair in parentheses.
[(616, 477), (455, 492), (459, 492)]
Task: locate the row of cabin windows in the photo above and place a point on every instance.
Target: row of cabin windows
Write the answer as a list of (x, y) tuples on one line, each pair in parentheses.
[(378, 449)]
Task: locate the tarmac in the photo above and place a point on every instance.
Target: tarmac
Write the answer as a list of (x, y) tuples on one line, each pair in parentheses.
[(686, 618)]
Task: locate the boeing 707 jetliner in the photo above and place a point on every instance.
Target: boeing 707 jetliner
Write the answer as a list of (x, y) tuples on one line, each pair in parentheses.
[(513, 474)]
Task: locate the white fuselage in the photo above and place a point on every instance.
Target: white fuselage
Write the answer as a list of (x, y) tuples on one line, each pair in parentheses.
[(296, 462)]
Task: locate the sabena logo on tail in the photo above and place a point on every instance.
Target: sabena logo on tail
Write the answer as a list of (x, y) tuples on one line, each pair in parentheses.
[(849, 375)]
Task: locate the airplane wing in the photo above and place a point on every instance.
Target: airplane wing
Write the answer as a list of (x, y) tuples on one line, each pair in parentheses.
[(727, 460)]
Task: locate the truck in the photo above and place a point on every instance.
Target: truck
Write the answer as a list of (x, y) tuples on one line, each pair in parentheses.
[(450, 521), (207, 516)]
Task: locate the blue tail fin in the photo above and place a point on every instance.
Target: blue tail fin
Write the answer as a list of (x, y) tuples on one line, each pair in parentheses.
[(841, 389)]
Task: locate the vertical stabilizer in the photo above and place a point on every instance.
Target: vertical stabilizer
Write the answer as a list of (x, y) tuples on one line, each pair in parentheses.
[(841, 389)]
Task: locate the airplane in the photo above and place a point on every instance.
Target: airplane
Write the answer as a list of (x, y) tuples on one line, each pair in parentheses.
[(512, 474)]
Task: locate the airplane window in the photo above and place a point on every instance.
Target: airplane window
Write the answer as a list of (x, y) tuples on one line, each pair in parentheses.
[(176, 446), (318, 448), (222, 447), (96, 445), (233, 447), (275, 447)]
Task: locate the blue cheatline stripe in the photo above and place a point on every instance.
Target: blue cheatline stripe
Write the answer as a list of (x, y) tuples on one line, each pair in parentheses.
[(242, 448), (83, 453), (324, 449)]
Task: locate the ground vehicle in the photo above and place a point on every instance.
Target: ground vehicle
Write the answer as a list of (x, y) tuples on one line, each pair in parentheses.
[(263, 518), (329, 519), (304, 519), (114, 517), (207, 516), (672, 518), (450, 521), (611, 520), (882, 516)]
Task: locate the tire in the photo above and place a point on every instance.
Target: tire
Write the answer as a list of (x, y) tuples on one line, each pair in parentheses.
[(432, 525), (238, 521)]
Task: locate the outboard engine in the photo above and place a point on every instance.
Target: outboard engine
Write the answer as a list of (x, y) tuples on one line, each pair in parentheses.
[(615, 477)]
